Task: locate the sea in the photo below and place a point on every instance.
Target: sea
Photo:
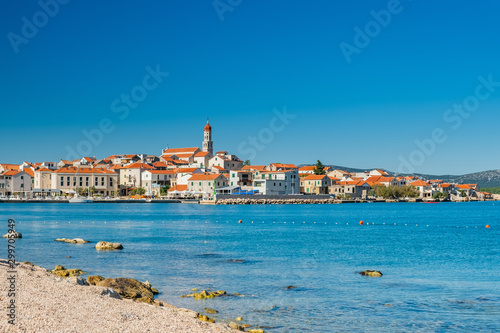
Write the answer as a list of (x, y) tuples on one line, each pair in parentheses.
[(295, 266)]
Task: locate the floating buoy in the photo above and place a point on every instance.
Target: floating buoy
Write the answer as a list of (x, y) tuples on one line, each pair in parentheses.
[(487, 226), (240, 221), (360, 222)]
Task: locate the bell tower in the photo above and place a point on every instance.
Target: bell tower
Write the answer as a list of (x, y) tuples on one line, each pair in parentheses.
[(207, 141)]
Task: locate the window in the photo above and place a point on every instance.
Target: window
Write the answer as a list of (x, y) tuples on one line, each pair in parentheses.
[(231, 183), (22, 185), (233, 175), (200, 184), (110, 181), (22, 177), (192, 183)]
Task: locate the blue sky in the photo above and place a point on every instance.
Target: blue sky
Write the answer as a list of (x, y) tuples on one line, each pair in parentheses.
[(240, 61)]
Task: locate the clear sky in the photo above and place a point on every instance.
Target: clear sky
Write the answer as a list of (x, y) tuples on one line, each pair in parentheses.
[(353, 83)]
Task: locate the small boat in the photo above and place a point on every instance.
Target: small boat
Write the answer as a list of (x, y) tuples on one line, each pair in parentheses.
[(80, 200)]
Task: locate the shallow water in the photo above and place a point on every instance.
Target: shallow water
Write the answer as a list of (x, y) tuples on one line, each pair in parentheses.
[(440, 264)]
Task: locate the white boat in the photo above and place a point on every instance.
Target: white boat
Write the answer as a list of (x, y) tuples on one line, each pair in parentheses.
[(80, 200)]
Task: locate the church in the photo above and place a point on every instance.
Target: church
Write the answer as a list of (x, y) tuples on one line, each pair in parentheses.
[(203, 158), (194, 156)]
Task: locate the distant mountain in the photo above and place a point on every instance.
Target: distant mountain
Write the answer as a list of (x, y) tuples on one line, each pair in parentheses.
[(490, 178)]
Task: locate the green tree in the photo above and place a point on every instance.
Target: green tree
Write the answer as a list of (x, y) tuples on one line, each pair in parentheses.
[(319, 169), (247, 162), (164, 190), (463, 194)]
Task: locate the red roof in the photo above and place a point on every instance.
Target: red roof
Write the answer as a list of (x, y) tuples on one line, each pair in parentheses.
[(171, 151), (138, 165), (180, 188), (162, 172), (83, 170), (202, 154), (207, 127), (315, 177), (29, 172), (254, 167), (211, 176), (419, 183), (11, 172)]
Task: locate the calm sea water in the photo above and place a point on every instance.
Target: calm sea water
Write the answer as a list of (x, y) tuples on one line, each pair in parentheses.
[(441, 265)]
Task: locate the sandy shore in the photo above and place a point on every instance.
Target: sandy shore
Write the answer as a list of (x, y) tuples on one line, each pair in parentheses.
[(48, 303)]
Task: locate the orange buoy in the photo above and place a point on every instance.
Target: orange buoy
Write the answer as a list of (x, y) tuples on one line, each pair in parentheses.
[(240, 221), (487, 226), (360, 222)]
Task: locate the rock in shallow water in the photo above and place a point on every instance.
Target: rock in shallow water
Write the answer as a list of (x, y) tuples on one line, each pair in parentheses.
[(15, 234), (108, 246), (93, 279), (72, 241), (371, 273)]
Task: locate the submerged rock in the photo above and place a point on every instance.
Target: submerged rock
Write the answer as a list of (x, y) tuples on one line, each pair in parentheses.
[(15, 234), (72, 241), (207, 294), (211, 311), (108, 246), (291, 287), (371, 273), (129, 288)]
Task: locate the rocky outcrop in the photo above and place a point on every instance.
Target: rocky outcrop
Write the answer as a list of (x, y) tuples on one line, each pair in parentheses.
[(108, 246), (211, 311), (371, 273), (93, 279), (63, 272), (291, 201), (129, 288), (205, 318), (15, 234), (207, 294), (236, 326), (72, 241)]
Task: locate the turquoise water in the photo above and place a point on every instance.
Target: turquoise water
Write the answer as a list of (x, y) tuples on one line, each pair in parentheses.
[(441, 265)]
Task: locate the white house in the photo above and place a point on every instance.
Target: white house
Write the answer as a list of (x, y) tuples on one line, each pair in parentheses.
[(277, 182)]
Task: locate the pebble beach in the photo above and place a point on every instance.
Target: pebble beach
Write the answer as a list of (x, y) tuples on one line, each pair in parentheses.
[(48, 303)]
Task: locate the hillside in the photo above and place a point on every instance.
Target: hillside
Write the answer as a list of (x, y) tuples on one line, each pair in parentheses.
[(490, 178)]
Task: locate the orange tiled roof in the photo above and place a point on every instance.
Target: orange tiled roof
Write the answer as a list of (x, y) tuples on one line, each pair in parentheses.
[(419, 183), (160, 164), (162, 172), (185, 170), (218, 167), (29, 172), (11, 172), (83, 170), (43, 170), (172, 151), (138, 165), (444, 185), (201, 154), (254, 167), (464, 186), (180, 188), (315, 177), (211, 176), (9, 166), (307, 168)]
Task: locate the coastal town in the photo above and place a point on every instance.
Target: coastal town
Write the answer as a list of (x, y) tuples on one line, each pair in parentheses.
[(200, 175)]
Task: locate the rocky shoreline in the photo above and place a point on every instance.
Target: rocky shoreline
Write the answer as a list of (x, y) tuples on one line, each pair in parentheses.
[(47, 302)]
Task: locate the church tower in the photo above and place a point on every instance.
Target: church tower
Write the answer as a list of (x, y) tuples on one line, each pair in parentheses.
[(207, 142)]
